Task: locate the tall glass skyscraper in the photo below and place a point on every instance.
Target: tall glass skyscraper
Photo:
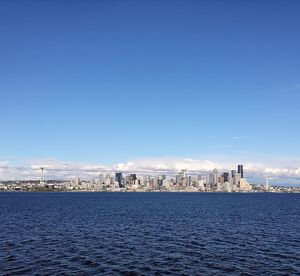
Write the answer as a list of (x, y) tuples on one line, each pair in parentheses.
[(241, 170), (120, 179)]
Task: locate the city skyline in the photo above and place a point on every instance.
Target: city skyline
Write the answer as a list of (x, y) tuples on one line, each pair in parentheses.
[(224, 181), (141, 85), (256, 173)]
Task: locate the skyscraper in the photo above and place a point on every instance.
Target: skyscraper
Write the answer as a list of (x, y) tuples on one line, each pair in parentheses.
[(215, 176), (120, 179), (233, 172), (132, 179), (225, 175), (241, 170)]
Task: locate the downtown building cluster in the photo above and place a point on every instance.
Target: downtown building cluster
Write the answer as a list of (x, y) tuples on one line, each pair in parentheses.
[(214, 181), (233, 181)]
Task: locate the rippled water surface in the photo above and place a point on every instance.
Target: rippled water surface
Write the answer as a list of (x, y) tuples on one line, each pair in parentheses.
[(149, 233)]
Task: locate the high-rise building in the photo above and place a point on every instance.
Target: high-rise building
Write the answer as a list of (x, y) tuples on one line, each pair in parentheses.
[(236, 180), (133, 176), (120, 179), (233, 172), (132, 179), (215, 176), (141, 181), (159, 182), (225, 175), (188, 180), (210, 179), (76, 182), (154, 182), (241, 170), (230, 180)]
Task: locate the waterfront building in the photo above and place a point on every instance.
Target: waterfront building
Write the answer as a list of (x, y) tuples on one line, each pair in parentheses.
[(201, 185), (227, 187), (244, 185)]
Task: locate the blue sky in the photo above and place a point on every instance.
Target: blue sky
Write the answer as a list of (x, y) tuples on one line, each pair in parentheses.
[(111, 81)]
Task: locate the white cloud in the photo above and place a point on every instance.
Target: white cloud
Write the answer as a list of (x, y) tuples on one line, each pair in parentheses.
[(166, 165)]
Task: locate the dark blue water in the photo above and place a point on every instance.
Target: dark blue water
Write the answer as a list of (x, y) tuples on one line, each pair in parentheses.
[(149, 233)]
